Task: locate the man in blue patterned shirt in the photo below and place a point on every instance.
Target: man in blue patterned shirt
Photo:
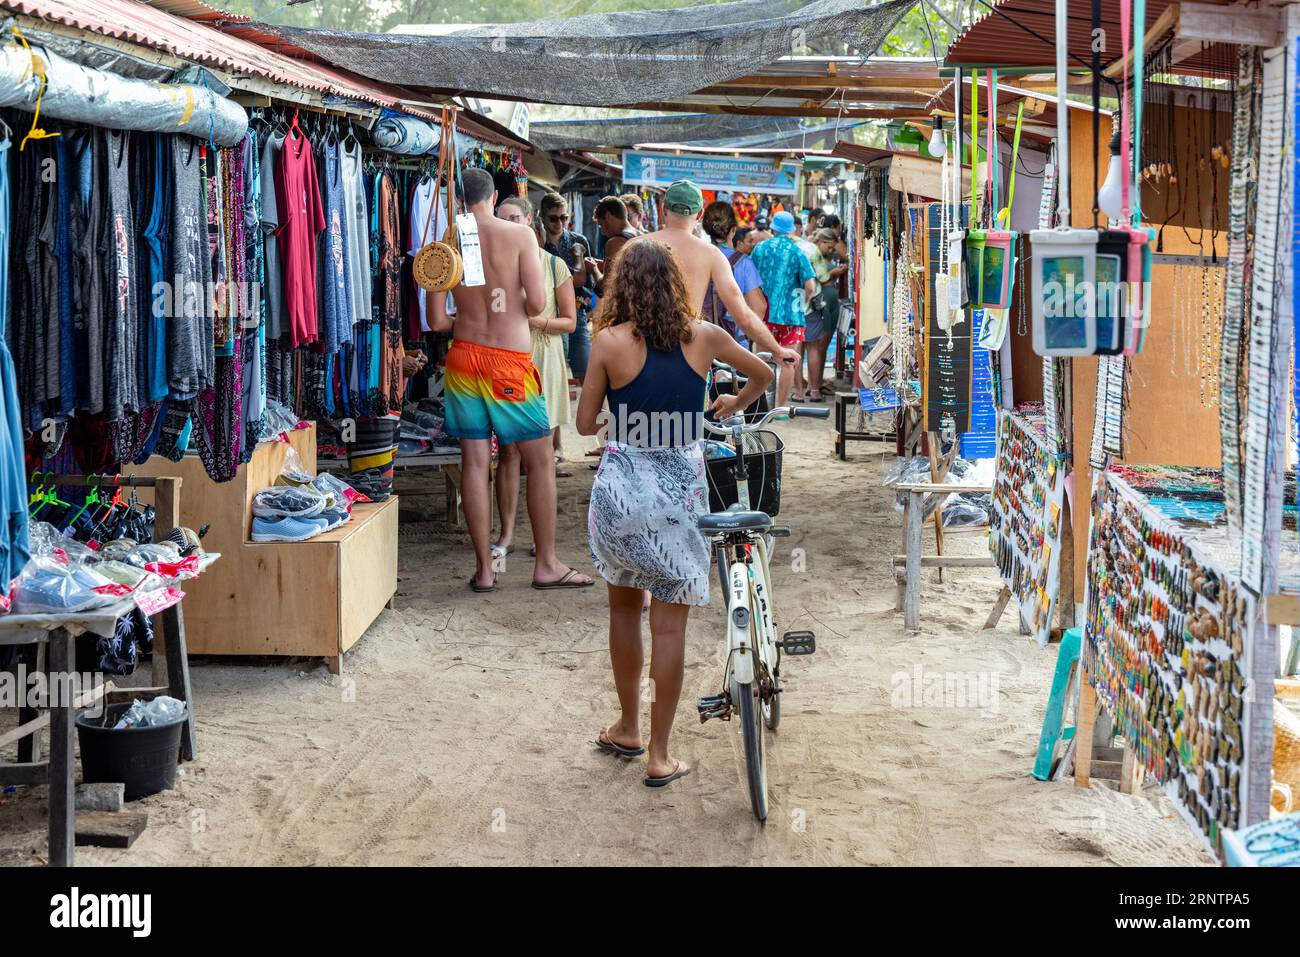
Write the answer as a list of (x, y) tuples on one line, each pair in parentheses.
[(788, 283)]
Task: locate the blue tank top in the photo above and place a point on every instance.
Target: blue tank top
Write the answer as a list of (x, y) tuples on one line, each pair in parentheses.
[(662, 406)]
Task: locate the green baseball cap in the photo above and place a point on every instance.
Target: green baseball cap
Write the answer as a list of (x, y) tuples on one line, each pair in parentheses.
[(684, 196)]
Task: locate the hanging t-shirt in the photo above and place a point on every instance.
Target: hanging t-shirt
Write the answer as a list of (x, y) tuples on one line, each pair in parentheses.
[(214, 211), (88, 293), (302, 218), (153, 270), (254, 344), (336, 304), (121, 343), (190, 332), (358, 231), (272, 286), (426, 195)]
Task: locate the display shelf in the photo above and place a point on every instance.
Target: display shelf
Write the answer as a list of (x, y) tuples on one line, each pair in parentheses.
[(314, 598)]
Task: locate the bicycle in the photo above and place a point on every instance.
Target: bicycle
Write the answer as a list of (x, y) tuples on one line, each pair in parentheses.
[(741, 537)]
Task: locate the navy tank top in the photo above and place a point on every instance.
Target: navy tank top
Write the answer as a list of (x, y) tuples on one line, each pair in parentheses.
[(663, 406)]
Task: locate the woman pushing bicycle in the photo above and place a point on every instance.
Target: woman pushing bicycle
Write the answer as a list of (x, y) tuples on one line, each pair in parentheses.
[(650, 361)]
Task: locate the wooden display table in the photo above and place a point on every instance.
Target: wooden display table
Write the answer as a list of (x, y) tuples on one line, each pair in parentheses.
[(314, 598)]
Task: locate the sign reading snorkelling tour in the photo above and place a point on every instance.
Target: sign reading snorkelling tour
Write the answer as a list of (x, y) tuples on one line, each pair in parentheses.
[(732, 174)]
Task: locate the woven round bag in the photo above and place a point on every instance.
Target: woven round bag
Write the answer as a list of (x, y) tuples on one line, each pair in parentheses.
[(437, 267)]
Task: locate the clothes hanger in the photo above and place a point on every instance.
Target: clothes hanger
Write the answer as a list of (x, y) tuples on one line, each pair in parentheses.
[(92, 498)]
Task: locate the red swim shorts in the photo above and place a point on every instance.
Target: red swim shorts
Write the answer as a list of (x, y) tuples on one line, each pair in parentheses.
[(786, 335)]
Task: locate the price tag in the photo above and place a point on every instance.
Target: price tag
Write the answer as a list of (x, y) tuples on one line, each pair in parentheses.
[(470, 252)]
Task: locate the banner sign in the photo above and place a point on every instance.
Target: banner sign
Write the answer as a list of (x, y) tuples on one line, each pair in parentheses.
[(731, 174)]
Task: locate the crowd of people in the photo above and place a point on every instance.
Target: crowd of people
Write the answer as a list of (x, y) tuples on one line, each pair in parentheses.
[(639, 328)]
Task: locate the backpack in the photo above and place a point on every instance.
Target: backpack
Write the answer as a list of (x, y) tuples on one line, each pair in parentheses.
[(714, 310)]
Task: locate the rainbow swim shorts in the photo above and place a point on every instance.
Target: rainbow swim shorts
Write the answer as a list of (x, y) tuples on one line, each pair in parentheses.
[(493, 390)]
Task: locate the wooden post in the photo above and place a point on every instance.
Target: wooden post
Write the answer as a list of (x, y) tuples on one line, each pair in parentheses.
[(998, 607), (171, 660), (1084, 719), (62, 751), (178, 675), (451, 476), (912, 598), (29, 748), (1131, 773), (167, 515)]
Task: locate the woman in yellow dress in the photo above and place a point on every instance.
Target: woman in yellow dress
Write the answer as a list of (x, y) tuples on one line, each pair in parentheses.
[(548, 328)]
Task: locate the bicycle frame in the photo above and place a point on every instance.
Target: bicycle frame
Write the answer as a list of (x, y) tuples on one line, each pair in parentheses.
[(751, 628)]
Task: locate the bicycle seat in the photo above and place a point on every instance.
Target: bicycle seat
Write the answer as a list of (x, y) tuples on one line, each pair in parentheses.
[(734, 521)]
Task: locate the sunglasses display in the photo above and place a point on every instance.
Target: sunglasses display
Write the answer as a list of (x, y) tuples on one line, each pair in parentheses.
[(1027, 519)]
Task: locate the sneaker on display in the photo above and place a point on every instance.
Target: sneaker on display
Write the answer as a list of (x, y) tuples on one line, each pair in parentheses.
[(286, 501), (284, 530)]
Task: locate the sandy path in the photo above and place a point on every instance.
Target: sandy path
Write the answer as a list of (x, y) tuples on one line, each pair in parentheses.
[(460, 731)]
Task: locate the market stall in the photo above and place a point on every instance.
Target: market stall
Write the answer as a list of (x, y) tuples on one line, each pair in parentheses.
[(1172, 535), (164, 328)]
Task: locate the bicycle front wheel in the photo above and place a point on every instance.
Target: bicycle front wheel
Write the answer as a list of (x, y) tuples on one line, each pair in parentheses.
[(745, 698)]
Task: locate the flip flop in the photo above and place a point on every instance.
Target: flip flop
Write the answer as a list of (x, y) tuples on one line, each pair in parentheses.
[(668, 778), (566, 581), (609, 746), (563, 473), (499, 552), (475, 586)]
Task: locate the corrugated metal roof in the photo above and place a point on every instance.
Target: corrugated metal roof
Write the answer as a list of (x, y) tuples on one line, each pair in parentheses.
[(196, 41), (1022, 33)]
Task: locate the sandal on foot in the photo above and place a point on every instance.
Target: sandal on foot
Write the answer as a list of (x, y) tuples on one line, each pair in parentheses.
[(667, 778), (475, 586), (565, 581), (609, 746)]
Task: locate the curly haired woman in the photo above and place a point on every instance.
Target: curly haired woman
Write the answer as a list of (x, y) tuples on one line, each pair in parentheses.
[(650, 358)]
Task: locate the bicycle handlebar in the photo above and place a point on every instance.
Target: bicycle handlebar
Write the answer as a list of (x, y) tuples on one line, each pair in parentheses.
[(727, 426)]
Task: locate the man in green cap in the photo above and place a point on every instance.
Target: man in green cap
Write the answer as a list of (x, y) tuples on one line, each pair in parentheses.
[(703, 263)]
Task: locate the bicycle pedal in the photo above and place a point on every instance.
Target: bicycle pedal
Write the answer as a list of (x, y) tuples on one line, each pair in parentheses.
[(798, 643), (714, 706), (779, 531)]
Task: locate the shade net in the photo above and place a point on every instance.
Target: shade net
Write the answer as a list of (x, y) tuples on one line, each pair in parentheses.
[(610, 59), (698, 129)]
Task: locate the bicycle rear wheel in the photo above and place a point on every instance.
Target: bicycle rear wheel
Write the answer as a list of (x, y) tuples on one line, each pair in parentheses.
[(745, 698), (772, 706)]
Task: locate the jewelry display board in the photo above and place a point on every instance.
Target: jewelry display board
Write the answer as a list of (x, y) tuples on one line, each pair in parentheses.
[(1168, 643), (980, 439), (1028, 507), (946, 363)]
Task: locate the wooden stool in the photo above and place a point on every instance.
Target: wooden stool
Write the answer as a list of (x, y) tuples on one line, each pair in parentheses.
[(907, 567)]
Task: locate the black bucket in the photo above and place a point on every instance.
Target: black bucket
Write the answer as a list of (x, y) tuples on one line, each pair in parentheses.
[(144, 759)]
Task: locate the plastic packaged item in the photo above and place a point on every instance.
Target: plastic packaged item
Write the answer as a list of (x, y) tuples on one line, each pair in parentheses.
[(46, 541), (1114, 317), (344, 494), (147, 714), (288, 501), (1064, 267), (50, 586), (292, 472), (279, 420), (151, 552), (124, 573)]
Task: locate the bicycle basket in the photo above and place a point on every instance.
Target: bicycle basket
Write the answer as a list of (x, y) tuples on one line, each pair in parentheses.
[(763, 450)]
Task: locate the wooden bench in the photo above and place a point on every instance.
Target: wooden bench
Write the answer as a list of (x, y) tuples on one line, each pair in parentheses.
[(907, 566)]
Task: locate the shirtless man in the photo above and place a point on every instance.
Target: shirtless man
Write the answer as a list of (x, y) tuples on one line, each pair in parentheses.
[(701, 262), (492, 385), (611, 216)]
